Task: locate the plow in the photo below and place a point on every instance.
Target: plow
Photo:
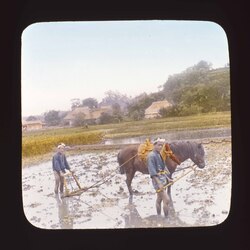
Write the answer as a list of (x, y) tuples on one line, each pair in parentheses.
[(72, 186), (75, 188)]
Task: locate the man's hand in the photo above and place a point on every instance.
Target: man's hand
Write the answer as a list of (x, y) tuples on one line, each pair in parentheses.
[(170, 180), (160, 185)]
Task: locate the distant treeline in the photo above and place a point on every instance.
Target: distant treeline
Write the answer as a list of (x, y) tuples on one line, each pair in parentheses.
[(198, 89)]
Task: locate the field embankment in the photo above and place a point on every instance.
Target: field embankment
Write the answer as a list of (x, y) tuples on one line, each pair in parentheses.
[(37, 145)]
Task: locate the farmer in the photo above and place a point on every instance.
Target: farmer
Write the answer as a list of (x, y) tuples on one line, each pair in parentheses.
[(159, 174), (59, 164)]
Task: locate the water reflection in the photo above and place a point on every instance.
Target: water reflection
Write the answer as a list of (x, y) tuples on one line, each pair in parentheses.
[(64, 215), (132, 140), (177, 135), (134, 220)]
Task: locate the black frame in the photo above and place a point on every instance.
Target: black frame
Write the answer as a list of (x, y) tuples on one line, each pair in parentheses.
[(16, 16)]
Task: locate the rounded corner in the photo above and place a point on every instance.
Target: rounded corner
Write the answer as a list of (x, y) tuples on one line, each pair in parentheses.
[(28, 221), (221, 26), (29, 27)]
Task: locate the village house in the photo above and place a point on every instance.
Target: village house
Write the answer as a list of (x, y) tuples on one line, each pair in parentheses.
[(89, 115), (32, 125), (153, 110)]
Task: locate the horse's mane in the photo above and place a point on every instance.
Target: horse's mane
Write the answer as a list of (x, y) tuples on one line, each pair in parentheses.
[(183, 147)]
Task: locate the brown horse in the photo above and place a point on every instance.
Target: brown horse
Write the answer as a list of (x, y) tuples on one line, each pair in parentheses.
[(130, 162)]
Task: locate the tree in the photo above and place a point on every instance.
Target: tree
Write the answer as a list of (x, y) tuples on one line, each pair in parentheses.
[(202, 65), (90, 102), (79, 120), (115, 97), (31, 118), (52, 118), (136, 110), (75, 102), (137, 114), (116, 112), (197, 74), (106, 118), (170, 111), (199, 89)]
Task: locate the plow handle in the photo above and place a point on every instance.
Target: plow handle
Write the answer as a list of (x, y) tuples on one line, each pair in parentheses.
[(77, 182)]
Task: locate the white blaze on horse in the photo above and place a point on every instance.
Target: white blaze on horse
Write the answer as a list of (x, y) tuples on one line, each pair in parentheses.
[(130, 162)]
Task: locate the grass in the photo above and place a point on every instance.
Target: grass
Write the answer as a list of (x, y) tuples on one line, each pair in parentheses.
[(42, 143), (131, 129), (37, 143)]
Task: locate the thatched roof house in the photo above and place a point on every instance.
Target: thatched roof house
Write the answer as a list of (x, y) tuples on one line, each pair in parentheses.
[(32, 125), (89, 115), (80, 110), (153, 110)]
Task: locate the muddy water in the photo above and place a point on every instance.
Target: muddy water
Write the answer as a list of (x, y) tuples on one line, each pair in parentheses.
[(201, 198), (177, 135)]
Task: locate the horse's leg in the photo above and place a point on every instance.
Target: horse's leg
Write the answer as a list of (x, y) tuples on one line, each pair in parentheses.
[(130, 176)]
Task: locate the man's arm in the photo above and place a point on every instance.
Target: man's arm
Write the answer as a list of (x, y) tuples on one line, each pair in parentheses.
[(56, 164), (151, 165), (156, 179), (66, 163)]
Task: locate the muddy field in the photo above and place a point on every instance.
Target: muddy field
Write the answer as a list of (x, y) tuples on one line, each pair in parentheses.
[(201, 198)]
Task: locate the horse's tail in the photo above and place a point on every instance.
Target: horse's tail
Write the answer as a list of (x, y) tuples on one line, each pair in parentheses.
[(121, 167)]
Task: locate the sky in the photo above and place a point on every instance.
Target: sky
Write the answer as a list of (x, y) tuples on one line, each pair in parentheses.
[(66, 60)]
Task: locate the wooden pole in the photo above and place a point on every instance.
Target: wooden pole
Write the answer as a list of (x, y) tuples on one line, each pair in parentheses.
[(178, 178), (77, 182)]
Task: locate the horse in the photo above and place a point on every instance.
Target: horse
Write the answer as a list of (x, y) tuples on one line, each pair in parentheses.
[(130, 162)]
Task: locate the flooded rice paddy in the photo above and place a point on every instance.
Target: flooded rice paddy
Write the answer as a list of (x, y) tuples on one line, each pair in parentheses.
[(201, 198), (176, 135)]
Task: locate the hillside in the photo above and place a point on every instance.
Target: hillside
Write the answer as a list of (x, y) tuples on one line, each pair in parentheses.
[(198, 89)]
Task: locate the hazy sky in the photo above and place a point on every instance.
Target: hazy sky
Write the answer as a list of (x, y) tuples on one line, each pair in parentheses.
[(65, 60)]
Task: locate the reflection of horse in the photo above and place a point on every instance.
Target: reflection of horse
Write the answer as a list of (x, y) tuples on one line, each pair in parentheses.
[(130, 162)]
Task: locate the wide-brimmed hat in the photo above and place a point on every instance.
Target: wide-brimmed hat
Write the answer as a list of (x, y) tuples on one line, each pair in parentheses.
[(61, 145)]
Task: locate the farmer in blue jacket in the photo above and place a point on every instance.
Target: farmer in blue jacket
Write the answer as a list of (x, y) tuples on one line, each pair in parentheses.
[(59, 164), (159, 174)]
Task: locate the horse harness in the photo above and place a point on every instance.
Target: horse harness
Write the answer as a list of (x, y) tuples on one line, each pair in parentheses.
[(166, 152)]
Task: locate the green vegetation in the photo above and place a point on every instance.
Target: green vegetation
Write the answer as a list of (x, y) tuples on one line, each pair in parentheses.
[(198, 89), (200, 97), (44, 141), (153, 126)]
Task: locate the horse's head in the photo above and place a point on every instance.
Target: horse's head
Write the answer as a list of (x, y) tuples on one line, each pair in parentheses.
[(199, 155)]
